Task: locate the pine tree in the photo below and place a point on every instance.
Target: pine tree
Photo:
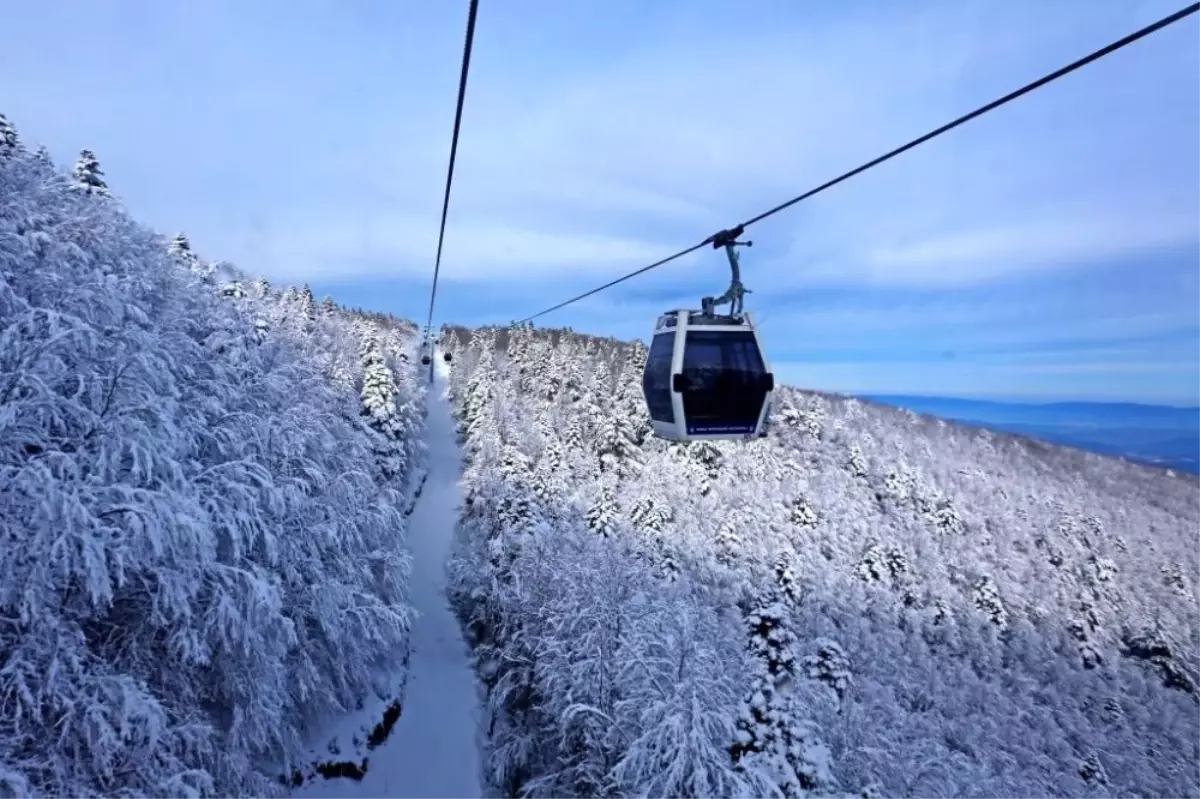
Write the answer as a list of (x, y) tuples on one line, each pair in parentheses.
[(572, 381), (8, 138), (1092, 770), (987, 599), (668, 568), (770, 726), (830, 666), (515, 512), (614, 444), (785, 579), (88, 175), (365, 333), (308, 304), (514, 466), (651, 513), (729, 544), (262, 288), (802, 513), (602, 379), (602, 515), (857, 461), (181, 249), (379, 406), (262, 329), (707, 455), (573, 437), (630, 404), (233, 290), (546, 482), (882, 565), (552, 456)]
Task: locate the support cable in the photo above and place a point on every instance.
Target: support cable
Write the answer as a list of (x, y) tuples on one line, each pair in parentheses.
[(458, 111), (732, 233)]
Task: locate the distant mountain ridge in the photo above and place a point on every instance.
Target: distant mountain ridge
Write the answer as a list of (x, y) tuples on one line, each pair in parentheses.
[(1161, 435)]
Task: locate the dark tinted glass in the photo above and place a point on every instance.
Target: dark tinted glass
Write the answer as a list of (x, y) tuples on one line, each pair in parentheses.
[(723, 371), (734, 352), (656, 380)]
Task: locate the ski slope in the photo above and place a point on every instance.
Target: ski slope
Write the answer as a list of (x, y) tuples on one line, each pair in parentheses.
[(433, 750)]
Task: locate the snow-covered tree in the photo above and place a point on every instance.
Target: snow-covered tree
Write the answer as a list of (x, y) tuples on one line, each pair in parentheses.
[(308, 303), (8, 138), (728, 543), (918, 569), (615, 444), (379, 407), (770, 731), (196, 561), (88, 175), (786, 580), (603, 514)]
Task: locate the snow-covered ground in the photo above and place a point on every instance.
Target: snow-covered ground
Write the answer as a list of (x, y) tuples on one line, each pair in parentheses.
[(433, 749)]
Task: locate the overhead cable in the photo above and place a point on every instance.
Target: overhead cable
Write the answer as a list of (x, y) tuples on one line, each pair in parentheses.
[(980, 111), (458, 111)]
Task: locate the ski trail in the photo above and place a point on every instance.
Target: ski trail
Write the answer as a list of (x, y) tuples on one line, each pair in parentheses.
[(433, 750)]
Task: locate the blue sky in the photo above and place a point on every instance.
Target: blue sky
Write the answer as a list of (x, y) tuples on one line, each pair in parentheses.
[(1048, 250)]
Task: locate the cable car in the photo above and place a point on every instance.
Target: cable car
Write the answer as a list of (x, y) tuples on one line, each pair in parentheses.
[(707, 378), (446, 357), (706, 375)]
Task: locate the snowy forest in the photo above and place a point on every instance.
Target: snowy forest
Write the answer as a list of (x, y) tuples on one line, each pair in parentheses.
[(868, 602), (205, 489)]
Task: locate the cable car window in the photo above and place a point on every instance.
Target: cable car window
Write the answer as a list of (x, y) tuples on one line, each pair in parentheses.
[(656, 380), (723, 371), (733, 351)]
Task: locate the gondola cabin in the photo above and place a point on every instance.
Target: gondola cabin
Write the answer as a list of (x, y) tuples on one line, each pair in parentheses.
[(707, 378), (446, 357)]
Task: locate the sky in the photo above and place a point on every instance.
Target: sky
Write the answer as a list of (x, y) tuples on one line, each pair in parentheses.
[(1049, 250)]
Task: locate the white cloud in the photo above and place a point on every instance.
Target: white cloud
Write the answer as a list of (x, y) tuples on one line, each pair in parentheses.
[(956, 322), (1102, 367), (670, 139), (607, 157), (1153, 381), (1036, 185), (987, 251), (978, 250), (396, 246)]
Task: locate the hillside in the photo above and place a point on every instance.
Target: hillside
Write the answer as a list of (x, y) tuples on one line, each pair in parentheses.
[(869, 602), (203, 483), (1163, 435)]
